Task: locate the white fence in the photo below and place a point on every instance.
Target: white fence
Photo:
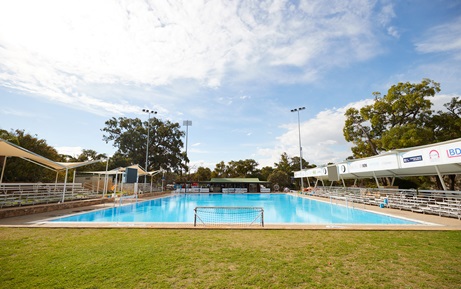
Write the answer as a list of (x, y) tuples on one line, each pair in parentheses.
[(21, 194), (441, 203)]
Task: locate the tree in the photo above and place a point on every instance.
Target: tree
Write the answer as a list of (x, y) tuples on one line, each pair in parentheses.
[(294, 164), (202, 174), (130, 138), (220, 170), (281, 178), (242, 168), (291, 165), (265, 172), (284, 164), (447, 124), (401, 118), (91, 155)]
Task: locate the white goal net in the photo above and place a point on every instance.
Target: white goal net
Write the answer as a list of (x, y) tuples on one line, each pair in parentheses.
[(229, 216)]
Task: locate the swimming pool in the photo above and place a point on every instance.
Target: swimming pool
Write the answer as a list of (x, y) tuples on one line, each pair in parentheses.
[(278, 209)]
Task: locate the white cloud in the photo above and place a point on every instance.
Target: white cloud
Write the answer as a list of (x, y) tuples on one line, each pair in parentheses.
[(442, 38), (322, 138), (392, 31), (70, 151), (56, 49)]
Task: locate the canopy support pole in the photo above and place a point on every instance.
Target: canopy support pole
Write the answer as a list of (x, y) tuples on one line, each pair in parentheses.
[(64, 188), (3, 169), (106, 180), (116, 182), (73, 183), (97, 186), (441, 178), (376, 179), (56, 181)]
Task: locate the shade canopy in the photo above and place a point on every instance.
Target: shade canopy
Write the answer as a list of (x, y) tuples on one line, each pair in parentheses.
[(121, 170), (437, 159), (8, 149)]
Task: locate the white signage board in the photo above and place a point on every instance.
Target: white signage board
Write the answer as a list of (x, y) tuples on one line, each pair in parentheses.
[(378, 163), (430, 156)]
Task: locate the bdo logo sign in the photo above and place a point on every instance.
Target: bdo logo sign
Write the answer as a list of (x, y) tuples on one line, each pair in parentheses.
[(454, 153)]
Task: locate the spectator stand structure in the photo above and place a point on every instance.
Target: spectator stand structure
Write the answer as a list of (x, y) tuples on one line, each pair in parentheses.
[(437, 159)]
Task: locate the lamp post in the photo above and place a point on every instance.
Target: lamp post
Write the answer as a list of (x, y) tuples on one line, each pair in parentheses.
[(300, 147), (186, 123), (147, 141)]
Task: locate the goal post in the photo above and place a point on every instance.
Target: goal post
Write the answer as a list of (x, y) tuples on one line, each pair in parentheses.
[(229, 216)]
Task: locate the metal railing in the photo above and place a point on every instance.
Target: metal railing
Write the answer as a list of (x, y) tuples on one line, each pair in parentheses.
[(435, 202), (23, 194)]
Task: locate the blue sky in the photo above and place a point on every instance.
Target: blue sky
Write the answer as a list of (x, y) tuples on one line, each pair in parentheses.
[(235, 68)]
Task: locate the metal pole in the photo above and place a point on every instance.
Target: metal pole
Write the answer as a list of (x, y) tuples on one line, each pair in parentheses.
[(3, 169), (73, 183), (300, 146), (147, 142), (64, 188), (147, 148), (106, 180), (187, 123), (300, 152)]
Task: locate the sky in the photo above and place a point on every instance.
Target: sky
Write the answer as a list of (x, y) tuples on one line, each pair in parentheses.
[(235, 69)]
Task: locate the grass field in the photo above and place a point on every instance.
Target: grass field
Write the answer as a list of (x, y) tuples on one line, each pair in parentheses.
[(155, 258)]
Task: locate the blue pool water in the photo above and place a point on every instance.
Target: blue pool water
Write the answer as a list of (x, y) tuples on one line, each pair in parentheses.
[(278, 209)]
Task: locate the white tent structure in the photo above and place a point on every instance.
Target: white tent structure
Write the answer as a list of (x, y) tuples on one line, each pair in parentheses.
[(437, 159), (119, 171), (8, 149)]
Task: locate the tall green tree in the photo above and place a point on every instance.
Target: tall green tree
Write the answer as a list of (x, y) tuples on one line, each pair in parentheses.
[(447, 124), (401, 118), (129, 136), (243, 169), (202, 174), (280, 178), (265, 172), (290, 165), (220, 170), (284, 164), (91, 155)]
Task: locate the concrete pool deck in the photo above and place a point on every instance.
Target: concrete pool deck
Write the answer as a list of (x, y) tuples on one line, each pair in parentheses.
[(429, 222)]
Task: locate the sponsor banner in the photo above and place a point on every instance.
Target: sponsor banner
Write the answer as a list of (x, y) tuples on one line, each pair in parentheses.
[(433, 155), (314, 172), (343, 168), (378, 163)]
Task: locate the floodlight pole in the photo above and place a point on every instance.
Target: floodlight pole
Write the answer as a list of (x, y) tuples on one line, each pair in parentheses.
[(147, 142), (186, 123), (300, 147)]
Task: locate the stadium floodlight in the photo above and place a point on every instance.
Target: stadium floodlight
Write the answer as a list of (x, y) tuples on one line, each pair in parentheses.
[(300, 147), (186, 123), (147, 141)]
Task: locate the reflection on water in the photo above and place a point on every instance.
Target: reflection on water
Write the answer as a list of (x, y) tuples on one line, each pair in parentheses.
[(278, 209)]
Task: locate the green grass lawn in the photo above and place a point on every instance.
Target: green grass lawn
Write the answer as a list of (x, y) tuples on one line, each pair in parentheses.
[(154, 258)]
